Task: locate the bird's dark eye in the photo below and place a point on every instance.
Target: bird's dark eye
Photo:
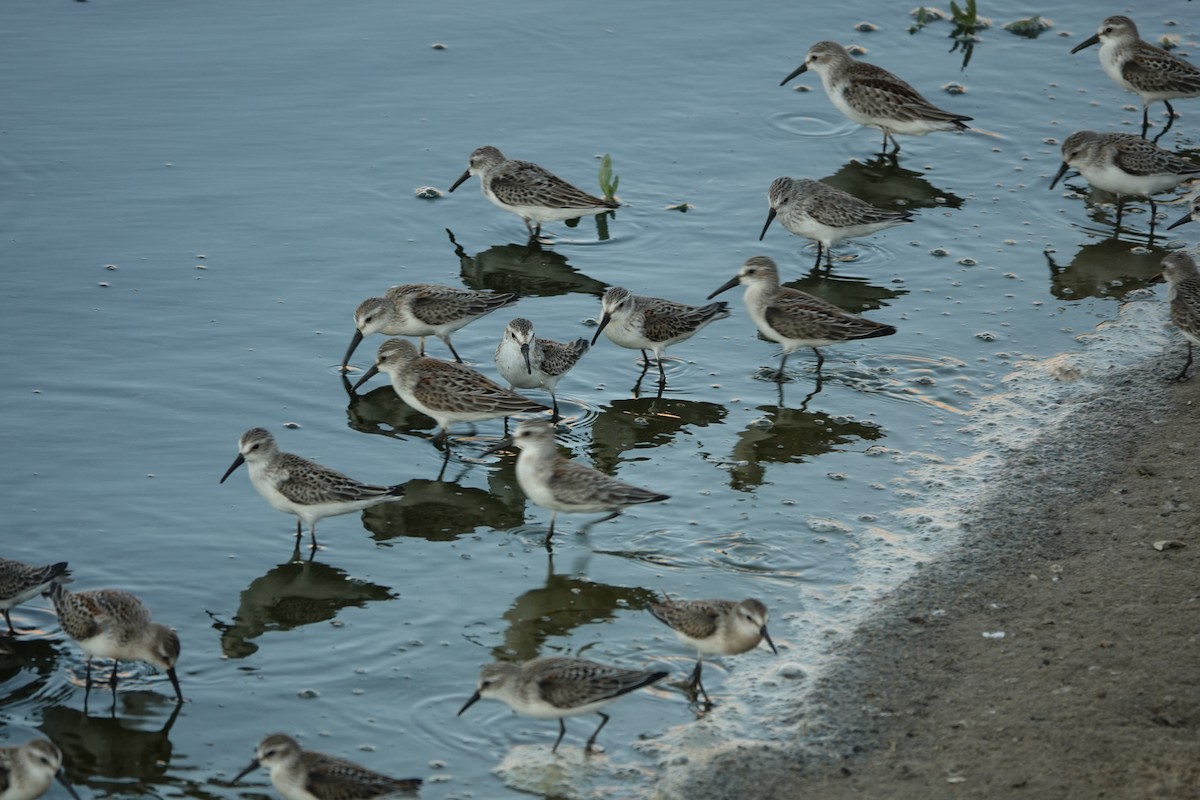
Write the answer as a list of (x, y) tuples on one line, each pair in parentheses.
[(484, 685)]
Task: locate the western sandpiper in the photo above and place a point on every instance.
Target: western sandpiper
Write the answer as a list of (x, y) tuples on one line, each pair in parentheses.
[(27, 769), (1139, 67), (300, 774), (1124, 165), (720, 627), (423, 309), (446, 391), (872, 96), (1183, 293), (527, 361), (1192, 215), (111, 623), (794, 318), (825, 214), (532, 193), (651, 323), (559, 687), (556, 483), (20, 582), (304, 488)]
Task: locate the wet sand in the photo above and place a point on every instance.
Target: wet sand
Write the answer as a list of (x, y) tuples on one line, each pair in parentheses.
[(1093, 691)]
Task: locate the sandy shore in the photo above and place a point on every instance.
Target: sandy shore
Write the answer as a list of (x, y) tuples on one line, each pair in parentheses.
[(1092, 691)]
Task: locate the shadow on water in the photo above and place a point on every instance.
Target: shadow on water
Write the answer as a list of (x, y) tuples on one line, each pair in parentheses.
[(291, 595), (381, 411), (442, 511), (565, 602), (1107, 268), (645, 422), (883, 183), (790, 436), (26, 668), (97, 747), (527, 269), (854, 294)]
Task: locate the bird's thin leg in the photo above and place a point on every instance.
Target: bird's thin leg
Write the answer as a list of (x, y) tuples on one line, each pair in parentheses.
[(1120, 212), (87, 682), (113, 680), (12, 631), (453, 352), (554, 415), (662, 374), (895, 141), (782, 364), (1153, 219), (1182, 376), (1145, 119), (422, 351), (592, 739), (605, 518), (820, 251), (696, 686), (562, 731), (312, 533)]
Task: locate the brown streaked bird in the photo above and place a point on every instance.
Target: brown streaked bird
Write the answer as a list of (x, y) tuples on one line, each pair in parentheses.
[(872, 96), (1183, 293), (111, 623), (559, 687), (423, 309), (1139, 67), (300, 774), (444, 390), (794, 318), (719, 627), (533, 193), (20, 582)]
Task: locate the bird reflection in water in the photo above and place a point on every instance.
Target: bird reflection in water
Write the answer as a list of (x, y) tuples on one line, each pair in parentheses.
[(565, 602), (527, 269), (442, 511), (790, 436), (645, 422), (122, 749), (291, 595), (1106, 268)]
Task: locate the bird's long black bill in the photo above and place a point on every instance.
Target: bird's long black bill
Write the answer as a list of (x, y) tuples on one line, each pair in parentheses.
[(237, 462), (600, 328), (767, 224), (253, 765), (62, 778), (767, 636), (800, 70), (1058, 175), (1088, 42), (726, 286), (358, 337), (525, 355), (366, 376), (504, 444), (474, 699), (1186, 218), (460, 180), (175, 682)]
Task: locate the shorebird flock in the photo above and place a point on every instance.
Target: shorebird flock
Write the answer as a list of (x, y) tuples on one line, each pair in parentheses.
[(113, 624)]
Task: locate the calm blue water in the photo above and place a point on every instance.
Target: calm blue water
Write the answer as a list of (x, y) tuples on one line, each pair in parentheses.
[(195, 197)]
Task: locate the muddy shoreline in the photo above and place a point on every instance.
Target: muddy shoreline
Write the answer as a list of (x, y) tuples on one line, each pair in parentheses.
[(1086, 683)]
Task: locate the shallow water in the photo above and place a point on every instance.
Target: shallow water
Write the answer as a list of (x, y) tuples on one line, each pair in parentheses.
[(197, 196)]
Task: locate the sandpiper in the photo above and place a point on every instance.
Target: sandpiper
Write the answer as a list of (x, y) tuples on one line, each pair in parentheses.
[(651, 323), (26, 770), (300, 774), (721, 627), (423, 309), (794, 318), (1192, 215), (1124, 165), (558, 687), (111, 623), (825, 214), (446, 391), (1139, 67), (872, 96), (532, 193), (1183, 293), (20, 582), (556, 483), (527, 361), (304, 488)]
